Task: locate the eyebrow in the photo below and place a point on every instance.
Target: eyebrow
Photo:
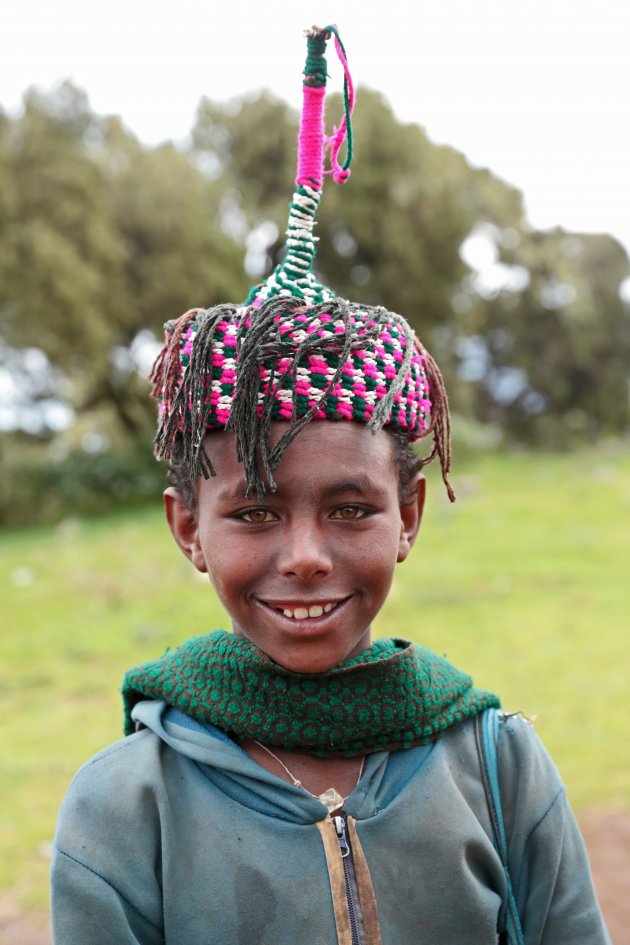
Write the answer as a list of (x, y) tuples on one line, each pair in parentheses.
[(361, 485), (235, 493)]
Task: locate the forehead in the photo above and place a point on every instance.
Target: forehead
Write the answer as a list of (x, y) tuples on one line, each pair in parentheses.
[(322, 452)]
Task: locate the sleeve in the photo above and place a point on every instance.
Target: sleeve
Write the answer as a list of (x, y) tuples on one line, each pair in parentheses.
[(88, 910), (548, 861), (106, 867)]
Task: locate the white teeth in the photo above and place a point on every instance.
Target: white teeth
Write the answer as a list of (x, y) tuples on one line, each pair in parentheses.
[(301, 613)]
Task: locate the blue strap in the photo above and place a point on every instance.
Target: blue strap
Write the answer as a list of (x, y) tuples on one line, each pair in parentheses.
[(487, 732)]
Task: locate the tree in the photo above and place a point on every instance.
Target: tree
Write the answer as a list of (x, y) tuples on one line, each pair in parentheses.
[(557, 352), (109, 239)]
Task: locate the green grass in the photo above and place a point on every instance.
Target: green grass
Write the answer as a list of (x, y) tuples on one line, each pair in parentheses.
[(524, 583)]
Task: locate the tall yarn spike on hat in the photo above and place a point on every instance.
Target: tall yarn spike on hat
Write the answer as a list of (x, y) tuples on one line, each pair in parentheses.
[(295, 352)]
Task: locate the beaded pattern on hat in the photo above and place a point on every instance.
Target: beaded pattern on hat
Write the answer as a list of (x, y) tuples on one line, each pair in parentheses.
[(365, 379)]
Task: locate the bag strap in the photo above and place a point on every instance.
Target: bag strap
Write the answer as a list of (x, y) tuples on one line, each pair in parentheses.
[(487, 737)]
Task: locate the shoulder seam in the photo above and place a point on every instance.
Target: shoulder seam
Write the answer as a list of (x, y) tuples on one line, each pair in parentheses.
[(106, 753), (559, 794)]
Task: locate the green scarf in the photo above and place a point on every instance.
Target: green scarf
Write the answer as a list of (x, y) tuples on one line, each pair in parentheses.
[(393, 695)]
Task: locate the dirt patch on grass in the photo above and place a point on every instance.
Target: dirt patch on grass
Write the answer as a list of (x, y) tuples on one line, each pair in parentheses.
[(19, 927), (607, 836)]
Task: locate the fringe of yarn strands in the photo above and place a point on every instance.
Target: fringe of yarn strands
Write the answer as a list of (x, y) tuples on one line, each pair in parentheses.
[(262, 343), (440, 425), (187, 402), (164, 375), (280, 331)]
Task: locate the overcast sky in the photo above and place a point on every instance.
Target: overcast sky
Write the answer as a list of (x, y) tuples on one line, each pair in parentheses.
[(538, 90)]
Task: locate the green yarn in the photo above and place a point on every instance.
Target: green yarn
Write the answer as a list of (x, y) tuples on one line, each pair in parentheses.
[(315, 68), (346, 104), (393, 695), (294, 276)]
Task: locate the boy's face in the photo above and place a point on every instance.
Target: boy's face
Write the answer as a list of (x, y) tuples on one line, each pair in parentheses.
[(303, 573)]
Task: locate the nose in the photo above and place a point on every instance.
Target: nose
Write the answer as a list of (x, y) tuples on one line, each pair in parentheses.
[(304, 553)]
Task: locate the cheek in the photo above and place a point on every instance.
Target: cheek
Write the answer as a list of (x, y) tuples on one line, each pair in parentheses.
[(377, 567), (230, 570)]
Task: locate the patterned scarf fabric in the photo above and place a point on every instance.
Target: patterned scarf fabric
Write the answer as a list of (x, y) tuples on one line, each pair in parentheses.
[(393, 695)]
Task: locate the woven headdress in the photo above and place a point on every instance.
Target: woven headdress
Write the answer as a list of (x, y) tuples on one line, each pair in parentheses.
[(294, 352)]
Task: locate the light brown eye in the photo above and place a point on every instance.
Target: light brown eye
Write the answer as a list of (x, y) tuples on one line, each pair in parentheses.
[(349, 513), (258, 516)]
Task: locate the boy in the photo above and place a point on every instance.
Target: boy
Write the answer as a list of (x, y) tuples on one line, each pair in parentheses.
[(293, 781)]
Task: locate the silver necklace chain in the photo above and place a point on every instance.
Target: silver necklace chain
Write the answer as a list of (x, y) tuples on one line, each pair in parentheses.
[(330, 798)]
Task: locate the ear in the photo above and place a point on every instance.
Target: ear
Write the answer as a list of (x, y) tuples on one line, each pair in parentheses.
[(183, 524), (411, 517)]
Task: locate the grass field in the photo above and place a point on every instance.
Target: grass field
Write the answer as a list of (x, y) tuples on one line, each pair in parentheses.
[(524, 583)]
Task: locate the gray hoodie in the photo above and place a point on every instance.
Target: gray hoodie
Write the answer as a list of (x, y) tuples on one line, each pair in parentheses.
[(175, 835)]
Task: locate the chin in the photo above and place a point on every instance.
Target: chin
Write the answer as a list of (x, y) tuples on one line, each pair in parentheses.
[(306, 647), (309, 661), (308, 666)]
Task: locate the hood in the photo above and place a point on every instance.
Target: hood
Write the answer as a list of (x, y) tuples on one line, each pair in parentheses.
[(232, 770)]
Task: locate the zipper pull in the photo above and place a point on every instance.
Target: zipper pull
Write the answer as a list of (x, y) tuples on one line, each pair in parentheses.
[(340, 830)]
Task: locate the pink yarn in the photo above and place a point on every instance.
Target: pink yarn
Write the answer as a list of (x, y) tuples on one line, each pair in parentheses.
[(311, 138), (317, 364), (336, 140)]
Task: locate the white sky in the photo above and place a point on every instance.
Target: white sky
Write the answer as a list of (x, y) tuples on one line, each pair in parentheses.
[(537, 90)]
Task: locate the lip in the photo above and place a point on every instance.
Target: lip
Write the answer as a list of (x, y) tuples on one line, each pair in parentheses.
[(285, 604), (303, 625)]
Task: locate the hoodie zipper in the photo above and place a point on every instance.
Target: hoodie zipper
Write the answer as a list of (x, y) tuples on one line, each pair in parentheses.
[(355, 914)]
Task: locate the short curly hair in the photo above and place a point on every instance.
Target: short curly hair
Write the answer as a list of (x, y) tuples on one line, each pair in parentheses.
[(181, 477)]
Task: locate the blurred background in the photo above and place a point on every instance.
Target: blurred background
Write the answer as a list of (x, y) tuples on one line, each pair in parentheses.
[(147, 153)]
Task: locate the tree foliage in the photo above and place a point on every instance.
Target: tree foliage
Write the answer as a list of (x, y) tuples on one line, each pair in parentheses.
[(558, 351), (105, 239)]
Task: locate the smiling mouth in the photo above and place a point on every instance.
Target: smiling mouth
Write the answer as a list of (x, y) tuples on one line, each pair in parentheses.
[(306, 612)]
